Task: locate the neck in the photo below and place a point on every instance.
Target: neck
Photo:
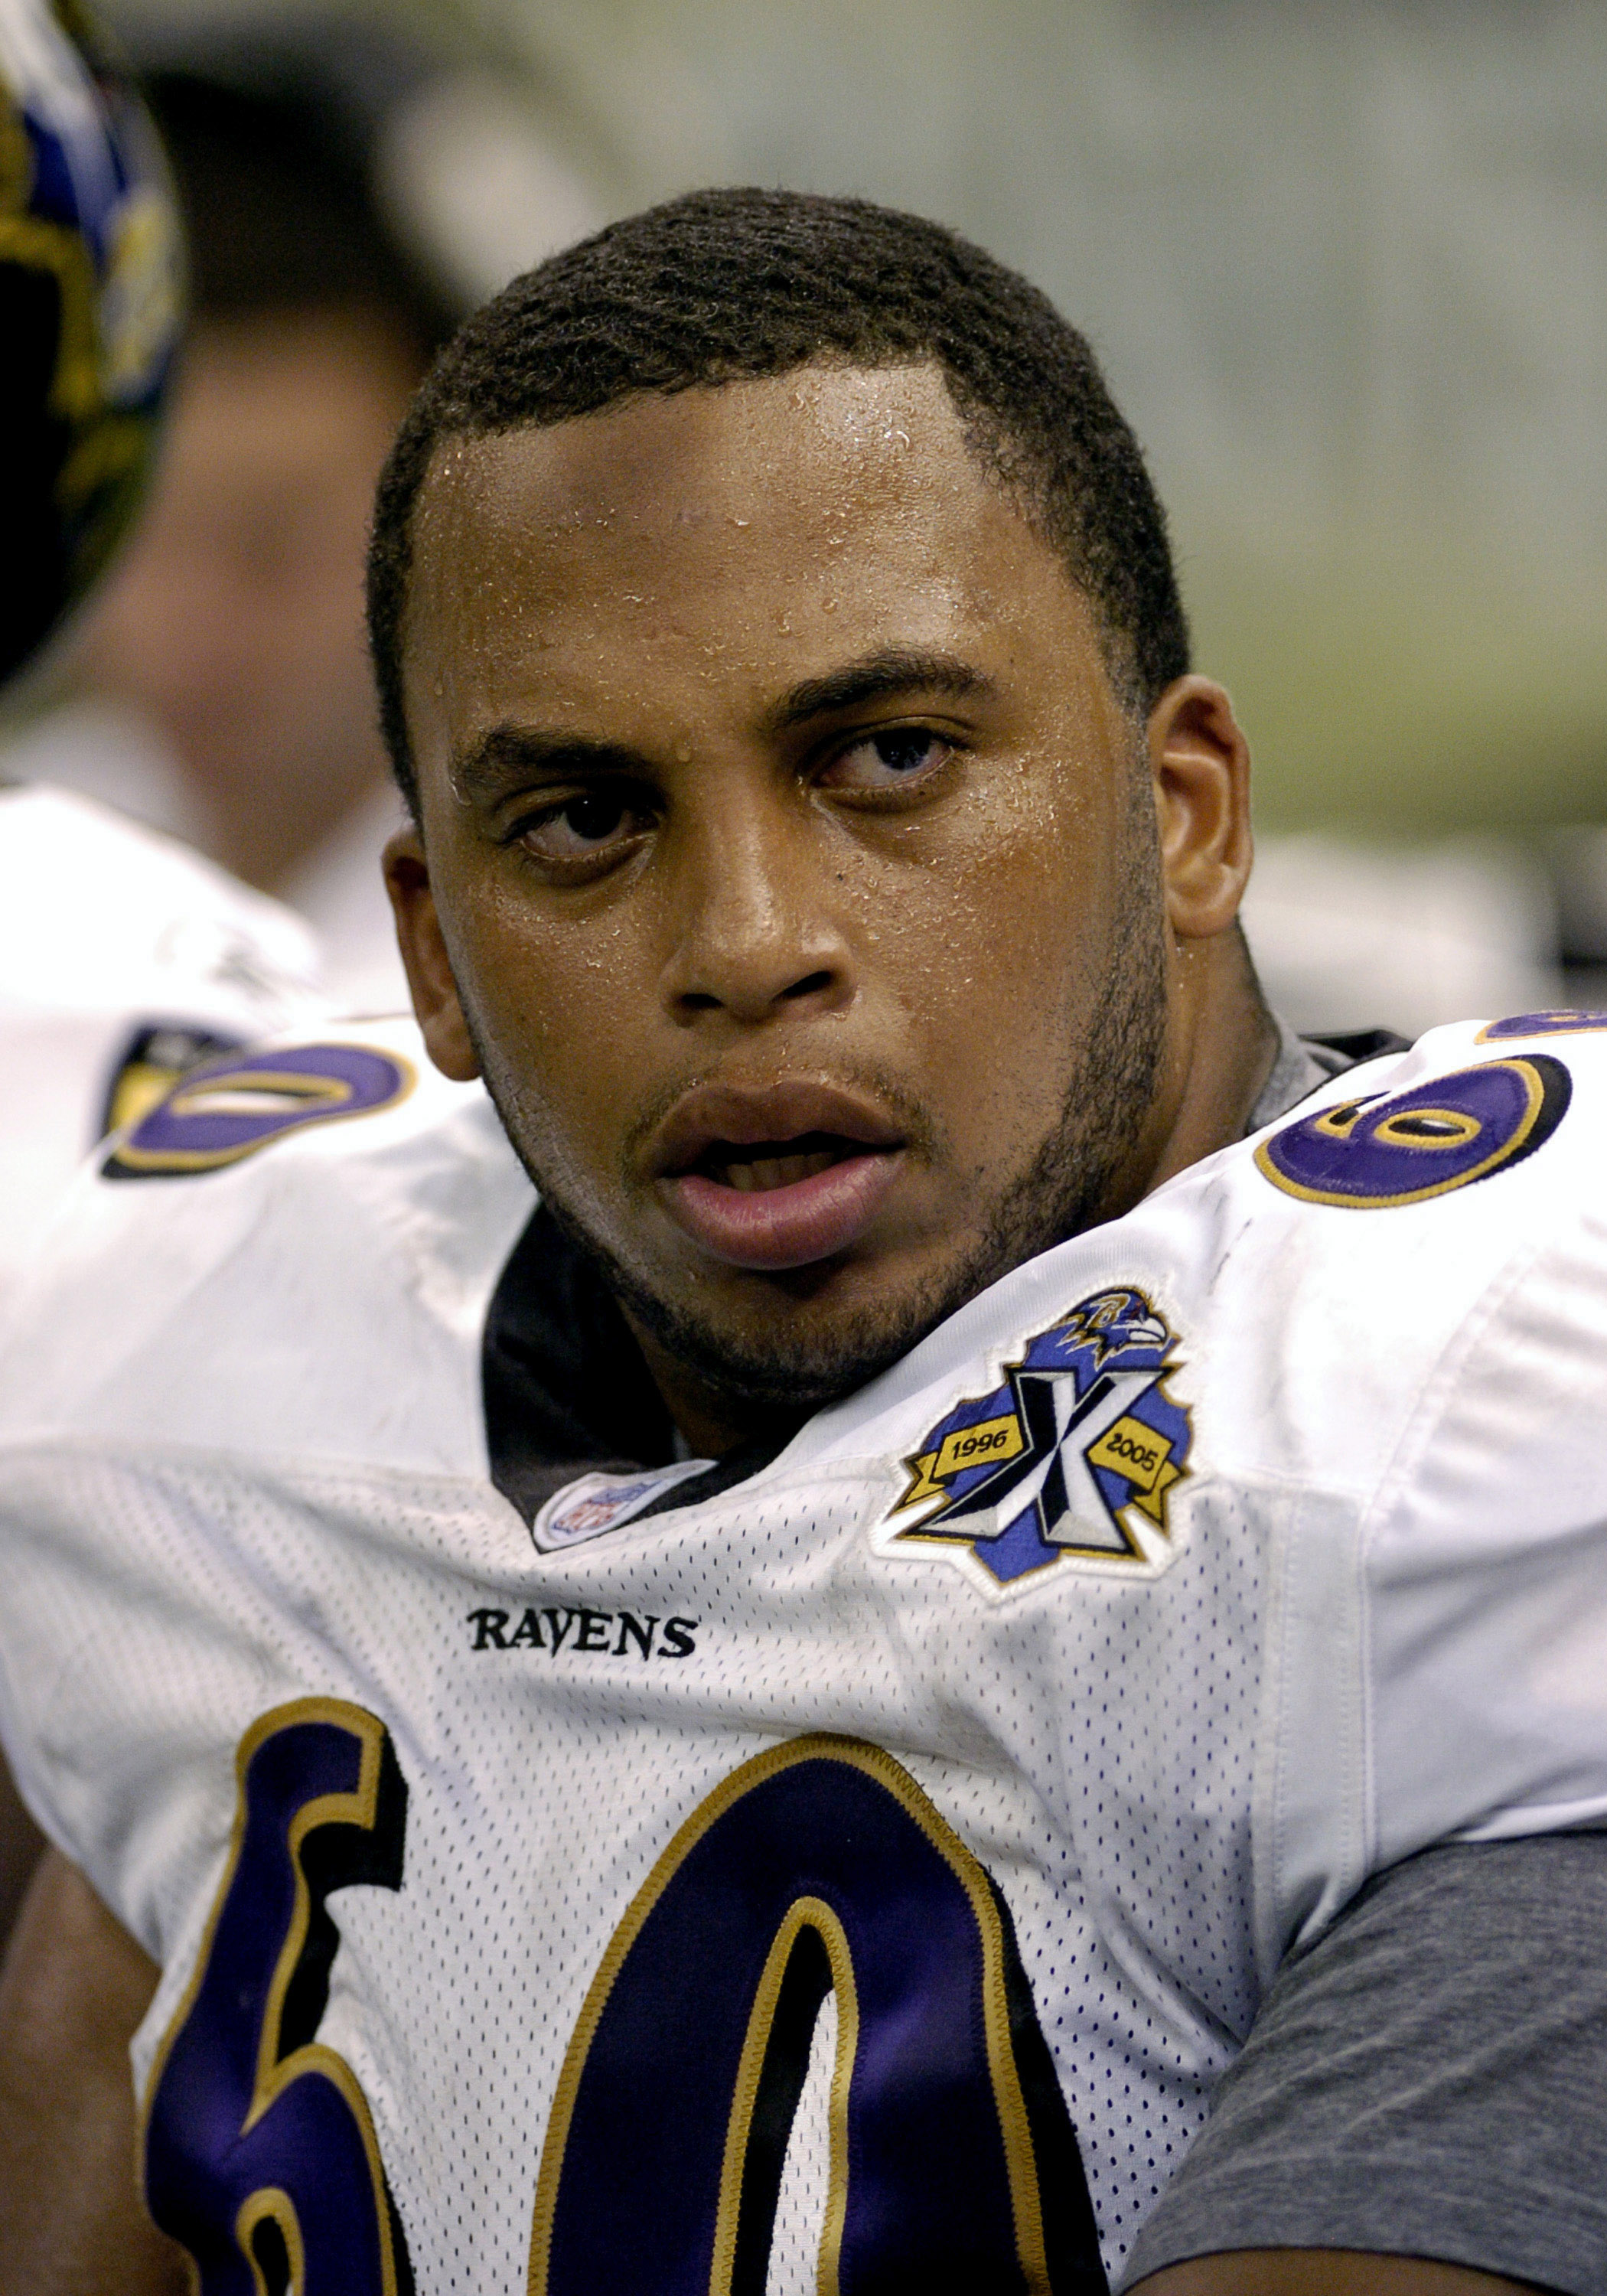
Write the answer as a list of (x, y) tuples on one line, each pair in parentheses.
[(709, 1424), (1222, 1044)]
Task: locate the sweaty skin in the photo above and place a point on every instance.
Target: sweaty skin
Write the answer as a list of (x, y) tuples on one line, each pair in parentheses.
[(775, 796), (781, 826)]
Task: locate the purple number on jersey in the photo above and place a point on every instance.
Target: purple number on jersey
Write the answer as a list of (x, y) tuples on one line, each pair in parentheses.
[(229, 1109), (819, 1866), (1565, 1020), (1402, 1148), (261, 2154)]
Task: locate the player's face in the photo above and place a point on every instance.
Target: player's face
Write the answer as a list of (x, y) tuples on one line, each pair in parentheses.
[(794, 864)]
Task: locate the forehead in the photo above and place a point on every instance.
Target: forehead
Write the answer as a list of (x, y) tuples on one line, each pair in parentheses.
[(748, 532)]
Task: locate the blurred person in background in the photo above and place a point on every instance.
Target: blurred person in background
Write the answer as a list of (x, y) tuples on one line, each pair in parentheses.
[(1341, 929), (223, 686), (223, 666), (125, 959)]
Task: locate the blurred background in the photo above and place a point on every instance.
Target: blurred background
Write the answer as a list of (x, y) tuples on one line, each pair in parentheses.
[(1346, 266)]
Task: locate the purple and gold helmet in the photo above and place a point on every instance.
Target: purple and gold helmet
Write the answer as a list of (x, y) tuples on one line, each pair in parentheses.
[(90, 306)]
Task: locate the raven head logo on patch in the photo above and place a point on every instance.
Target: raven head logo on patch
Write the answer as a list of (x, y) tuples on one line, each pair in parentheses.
[(1074, 1458), (1110, 1322)]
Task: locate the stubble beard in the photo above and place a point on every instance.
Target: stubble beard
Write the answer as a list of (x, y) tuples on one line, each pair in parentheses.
[(1061, 1187)]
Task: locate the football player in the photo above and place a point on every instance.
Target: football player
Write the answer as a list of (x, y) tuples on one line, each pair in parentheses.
[(123, 957), (972, 1656)]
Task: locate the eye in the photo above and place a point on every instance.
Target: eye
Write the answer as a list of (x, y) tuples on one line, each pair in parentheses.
[(595, 825), (897, 758)]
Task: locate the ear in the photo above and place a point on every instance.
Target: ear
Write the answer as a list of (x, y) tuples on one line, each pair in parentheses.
[(418, 932), (1200, 761)]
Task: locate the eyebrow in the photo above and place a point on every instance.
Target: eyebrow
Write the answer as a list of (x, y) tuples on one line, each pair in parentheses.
[(483, 771), (896, 670)]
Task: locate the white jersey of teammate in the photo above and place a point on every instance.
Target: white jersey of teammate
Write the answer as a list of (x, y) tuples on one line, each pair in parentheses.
[(122, 955), (839, 1855)]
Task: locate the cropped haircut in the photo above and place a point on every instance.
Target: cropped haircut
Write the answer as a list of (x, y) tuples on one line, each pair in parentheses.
[(728, 286)]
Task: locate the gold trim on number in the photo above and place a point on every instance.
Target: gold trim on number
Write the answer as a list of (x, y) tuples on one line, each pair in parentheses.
[(1015, 2130)]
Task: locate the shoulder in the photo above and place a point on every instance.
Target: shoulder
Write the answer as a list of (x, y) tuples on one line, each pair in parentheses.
[(101, 911), (123, 959), (1464, 1104), (1414, 1340), (1355, 1270), (1306, 1323), (1425, 1210), (291, 1252), (1400, 1192)]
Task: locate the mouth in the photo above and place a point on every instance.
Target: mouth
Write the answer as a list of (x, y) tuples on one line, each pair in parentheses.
[(775, 1178), (758, 1168)]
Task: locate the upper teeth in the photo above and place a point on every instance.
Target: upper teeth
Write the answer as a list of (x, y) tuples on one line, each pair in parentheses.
[(778, 1171)]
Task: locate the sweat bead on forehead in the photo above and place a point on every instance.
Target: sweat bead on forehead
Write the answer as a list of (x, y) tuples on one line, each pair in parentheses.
[(688, 558), (722, 286)]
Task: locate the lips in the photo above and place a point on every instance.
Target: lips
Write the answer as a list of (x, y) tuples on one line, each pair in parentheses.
[(775, 1178)]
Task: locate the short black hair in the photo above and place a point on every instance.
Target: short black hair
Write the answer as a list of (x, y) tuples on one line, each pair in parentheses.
[(281, 215), (736, 285)]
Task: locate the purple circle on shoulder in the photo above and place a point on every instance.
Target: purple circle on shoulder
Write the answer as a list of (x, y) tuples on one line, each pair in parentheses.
[(1566, 1021), (227, 1109), (1401, 1148)]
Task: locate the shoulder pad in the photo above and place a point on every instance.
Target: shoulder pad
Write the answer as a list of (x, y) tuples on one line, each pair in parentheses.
[(1465, 1104), (305, 1269), (1306, 1296)]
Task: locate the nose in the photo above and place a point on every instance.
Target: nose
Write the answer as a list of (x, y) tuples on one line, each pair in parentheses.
[(755, 932)]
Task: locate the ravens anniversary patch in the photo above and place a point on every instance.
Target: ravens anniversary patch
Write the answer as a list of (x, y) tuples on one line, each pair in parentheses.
[(1401, 1148), (1071, 1464)]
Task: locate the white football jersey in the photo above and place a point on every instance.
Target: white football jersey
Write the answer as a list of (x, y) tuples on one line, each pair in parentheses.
[(122, 955), (864, 1870)]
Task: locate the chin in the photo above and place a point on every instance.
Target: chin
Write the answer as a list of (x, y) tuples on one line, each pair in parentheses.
[(794, 1342)]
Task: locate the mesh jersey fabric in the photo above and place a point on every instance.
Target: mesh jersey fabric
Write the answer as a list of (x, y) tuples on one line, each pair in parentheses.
[(1363, 1619)]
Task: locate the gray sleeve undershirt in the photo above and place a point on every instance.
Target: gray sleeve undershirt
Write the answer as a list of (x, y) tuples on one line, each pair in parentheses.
[(1298, 1069), (1429, 2079)]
